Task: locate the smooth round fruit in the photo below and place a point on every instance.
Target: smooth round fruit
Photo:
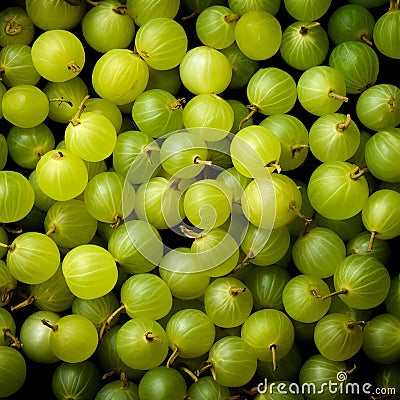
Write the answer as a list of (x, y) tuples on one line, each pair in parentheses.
[(162, 383), (190, 333), (136, 246), (25, 106), (303, 298), (378, 106), (90, 271), (152, 45), (381, 154), (215, 26), (337, 190), (378, 344), (16, 196), (36, 337), (74, 338), (386, 32), (233, 361), (351, 22), (359, 64), (307, 10), (304, 45), (115, 391), (228, 302), (13, 371), (80, 380), (144, 10), (337, 337), (33, 257), (142, 343), (318, 252), (270, 333), (321, 90), (55, 14), (204, 69), (91, 137), (16, 67), (27, 145), (58, 55), (118, 28), (258, 35), (61, 174), (123, 86), (364, 281)]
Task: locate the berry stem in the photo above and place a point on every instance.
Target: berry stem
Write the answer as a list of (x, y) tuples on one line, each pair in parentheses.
[(198, 160), (213, 374), (47, 323), (150, 336), (106, 324), (352, 324), (231, 18), (15, 342), (358, 173), (394, 5), (173, 357), (124, 381), (189, 233), (61, 100), (25, 303), (274, 358), (274, 165), (351, 370), (305, 28), (13, 28), (371, 241), (51, 230), (6, 292), (327, 296), (148, 149), (73, 67), (392, 104), (293, 207), (253, 109), (341, 126), (244, 262), (120, 9), (252, 392), (177, 105), (123, 10), (109, 374), (190, 373), (234, 291), (248, 257), (117, 223), (336, 96), (190, 16), (10, 229), (206, 366), (93, 3), (296, 149), (75, 119), (365, 40)]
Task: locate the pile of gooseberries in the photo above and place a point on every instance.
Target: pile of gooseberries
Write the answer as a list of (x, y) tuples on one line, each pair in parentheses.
[(199, 199)]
